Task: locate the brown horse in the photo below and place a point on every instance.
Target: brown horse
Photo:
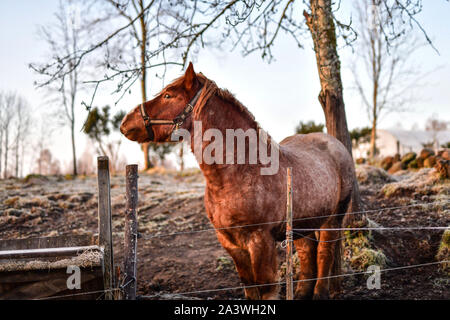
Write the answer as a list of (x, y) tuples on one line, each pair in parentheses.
[(239, 195)]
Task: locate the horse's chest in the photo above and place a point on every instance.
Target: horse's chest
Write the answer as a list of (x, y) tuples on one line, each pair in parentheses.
[(226, 208)]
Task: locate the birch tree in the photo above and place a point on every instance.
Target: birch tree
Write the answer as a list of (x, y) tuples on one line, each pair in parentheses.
[(2, 131), (22, 119), (384, 74), (10, 101), (62, 39)]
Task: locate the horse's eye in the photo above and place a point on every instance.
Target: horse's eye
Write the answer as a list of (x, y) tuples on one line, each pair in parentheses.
[(166, 96)]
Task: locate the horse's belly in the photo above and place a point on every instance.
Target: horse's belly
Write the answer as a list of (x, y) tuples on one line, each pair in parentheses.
[(239, 207)]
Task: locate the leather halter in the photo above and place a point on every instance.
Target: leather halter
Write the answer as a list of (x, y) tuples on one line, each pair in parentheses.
[(177, 121)]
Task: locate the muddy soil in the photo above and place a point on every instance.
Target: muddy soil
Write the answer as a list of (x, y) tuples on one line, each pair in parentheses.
[(174, 262)]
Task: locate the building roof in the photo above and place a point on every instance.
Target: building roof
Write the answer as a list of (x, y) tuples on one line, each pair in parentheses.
[(416, 138)]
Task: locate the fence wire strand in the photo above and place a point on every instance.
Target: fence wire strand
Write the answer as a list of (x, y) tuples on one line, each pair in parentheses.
[(146, 237), (371, 229), (296, 281), (79, 294)]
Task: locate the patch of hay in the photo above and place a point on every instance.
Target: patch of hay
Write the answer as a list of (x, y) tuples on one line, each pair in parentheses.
[(423, 181), (88, 258), (372, 175), (358, 253), (11, 201), (295, 267), (444, 252), (35, 179), (367, 257), (224, 263), (157, 170)]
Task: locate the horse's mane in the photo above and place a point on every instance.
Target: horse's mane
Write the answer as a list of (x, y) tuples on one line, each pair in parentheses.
[(210, 89)]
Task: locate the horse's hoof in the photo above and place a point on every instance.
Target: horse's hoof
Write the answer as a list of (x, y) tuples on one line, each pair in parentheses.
[(271, 296), (301, 295), (321, 296)]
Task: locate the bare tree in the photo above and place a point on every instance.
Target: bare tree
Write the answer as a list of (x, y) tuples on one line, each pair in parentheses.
[(15, 118), (86, 161), (181, 157), (2, 131), (21, 123), (140, 24), (254, 26), (46, 164), (139, 35), (63, 38), (41, 140), (10, 101), (434, 125), (388, 68), (100, 127)]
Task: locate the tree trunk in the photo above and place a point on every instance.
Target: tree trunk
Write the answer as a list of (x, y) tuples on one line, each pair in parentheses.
[(181, 157), (74, 155), (17, 158), (21, 159), (373, 139), (5, 174), (143, 46), (1, 150), (321, 25)]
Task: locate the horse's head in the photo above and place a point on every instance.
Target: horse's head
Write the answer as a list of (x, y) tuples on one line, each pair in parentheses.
[(155, 120)]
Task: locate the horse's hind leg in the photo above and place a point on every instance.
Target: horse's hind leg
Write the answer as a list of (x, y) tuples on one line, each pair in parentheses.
[(325, 260), (241, 258), (306, 251)]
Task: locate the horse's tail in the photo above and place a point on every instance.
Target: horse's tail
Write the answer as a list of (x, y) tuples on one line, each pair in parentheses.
[(335, 281), (354, 215)]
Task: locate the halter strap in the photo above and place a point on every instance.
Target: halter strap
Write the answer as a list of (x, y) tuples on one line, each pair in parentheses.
[(177, 121)]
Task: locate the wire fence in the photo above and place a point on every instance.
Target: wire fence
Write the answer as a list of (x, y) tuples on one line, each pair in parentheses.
[(149, 237), (307, 230), (297, 281), (295, 231), (102, 292)]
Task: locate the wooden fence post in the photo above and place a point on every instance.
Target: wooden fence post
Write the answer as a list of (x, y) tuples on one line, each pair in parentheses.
[(130, 232), (289, 238), (105, 224)]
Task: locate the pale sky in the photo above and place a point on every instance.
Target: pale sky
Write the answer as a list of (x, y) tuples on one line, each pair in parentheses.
[(279, 94)]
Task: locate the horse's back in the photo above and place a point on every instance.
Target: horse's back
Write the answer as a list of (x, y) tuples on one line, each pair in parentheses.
[(319, 143), (322, 147)]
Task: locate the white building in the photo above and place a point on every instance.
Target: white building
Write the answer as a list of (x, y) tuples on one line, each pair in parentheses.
[(390, 142)]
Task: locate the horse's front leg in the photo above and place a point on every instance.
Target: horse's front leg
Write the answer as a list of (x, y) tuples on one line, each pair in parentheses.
[(306, 251), (325, 260), (241, 258), (263, 256)]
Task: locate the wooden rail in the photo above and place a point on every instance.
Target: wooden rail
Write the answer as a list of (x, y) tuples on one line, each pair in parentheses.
[(45, 252)]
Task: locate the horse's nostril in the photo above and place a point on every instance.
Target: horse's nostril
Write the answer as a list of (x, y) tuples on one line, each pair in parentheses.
[(127, 131)]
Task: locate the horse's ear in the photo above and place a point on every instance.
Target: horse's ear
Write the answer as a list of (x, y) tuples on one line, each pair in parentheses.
[(190, 77)]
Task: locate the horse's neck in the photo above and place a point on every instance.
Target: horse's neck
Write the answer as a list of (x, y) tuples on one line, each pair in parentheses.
[(221, 115)]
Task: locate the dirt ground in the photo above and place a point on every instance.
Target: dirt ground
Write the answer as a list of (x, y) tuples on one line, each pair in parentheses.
[(173, 266)]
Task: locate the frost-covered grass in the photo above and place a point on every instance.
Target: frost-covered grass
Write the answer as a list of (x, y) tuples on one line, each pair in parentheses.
[(425, 181), (444, 252), (359, 253)]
